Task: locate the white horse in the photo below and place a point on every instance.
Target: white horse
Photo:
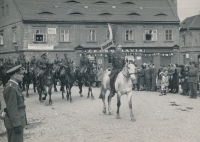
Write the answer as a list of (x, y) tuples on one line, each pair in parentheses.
[(123, 85)]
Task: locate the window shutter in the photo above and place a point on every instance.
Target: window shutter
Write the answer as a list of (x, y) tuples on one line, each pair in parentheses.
[(144, 37), (66, 36), (44, 37), (154, 35), (34, 37)]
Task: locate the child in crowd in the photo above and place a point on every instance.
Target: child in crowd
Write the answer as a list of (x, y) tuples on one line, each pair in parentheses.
[(164, 82)]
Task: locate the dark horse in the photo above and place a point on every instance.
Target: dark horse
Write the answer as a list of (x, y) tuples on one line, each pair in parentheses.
[(27, 79), (67, 78), (45, 81), (89, 79)]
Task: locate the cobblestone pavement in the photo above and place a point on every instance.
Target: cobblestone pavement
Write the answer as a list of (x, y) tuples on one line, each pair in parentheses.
[(170, 118)]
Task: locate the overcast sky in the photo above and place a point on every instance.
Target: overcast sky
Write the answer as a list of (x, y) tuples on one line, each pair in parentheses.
[(187, 8)]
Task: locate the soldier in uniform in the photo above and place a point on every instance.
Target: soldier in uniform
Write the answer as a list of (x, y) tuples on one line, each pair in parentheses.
[(15, 118), (17, 62), (118, 61), (193, 80), (33, 63), (22, 60), (57, 63), (42, 62), (84, 62)]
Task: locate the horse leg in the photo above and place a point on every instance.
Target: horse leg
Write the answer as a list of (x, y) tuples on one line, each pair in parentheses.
[(89, 90), (49, 92), (130, 106), (27, 87), (118, 105), (54, 84), (70, 93), (80, 88), (103, 93), (67, 89), (109, 105), (92, 97), (45, 94)]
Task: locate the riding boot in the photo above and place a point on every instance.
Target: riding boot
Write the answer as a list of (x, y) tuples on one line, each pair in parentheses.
[(112, 87)]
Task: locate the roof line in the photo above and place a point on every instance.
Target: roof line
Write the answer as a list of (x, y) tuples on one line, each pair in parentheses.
[(16, 6), (175, 13), (192, 21)]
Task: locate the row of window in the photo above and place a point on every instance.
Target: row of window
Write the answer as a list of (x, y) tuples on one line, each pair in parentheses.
[(64, 35), (149, 35)]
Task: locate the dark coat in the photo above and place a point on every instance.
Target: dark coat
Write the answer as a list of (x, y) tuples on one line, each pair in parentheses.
[(141, 76), (84, 62), (193, 75), (153, 73), (147, 73)]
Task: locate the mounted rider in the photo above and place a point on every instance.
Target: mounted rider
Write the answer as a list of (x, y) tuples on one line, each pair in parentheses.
[(22, 60), (33, 63), (42, 65), (57, 63), (118, 61), (84, 62)]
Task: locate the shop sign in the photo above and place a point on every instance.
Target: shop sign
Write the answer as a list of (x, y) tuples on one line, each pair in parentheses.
[(40, 46), (51, 31), (106, 45)]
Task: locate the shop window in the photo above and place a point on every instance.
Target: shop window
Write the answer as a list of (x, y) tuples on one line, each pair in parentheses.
[(169, 35), (91, 35), (129, 35), (39, 36), (150, 35), (14, 35), (64, 35), (1, 38)]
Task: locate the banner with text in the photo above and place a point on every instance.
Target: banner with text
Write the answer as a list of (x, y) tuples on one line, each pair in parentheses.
[(41, 46), (109, 43)]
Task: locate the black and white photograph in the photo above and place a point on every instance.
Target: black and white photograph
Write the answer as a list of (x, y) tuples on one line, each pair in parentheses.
[(99, 70)]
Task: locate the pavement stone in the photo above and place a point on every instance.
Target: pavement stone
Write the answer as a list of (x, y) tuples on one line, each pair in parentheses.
[(157, 120)]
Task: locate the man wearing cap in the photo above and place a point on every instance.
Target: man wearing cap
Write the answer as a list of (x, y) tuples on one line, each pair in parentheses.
[(193, 80), (33, 63), (42, 64), (22, 60), (57, 63), (84, 62), (66, 61), (118, 61), (15, 118)]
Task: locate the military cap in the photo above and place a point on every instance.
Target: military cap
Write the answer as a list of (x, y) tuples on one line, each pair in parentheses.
[(17, 69), (44, 54)]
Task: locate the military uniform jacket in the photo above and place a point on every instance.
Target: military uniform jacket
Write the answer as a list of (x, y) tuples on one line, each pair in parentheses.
[(57, 61), (193, 75), (66, 61), (84, 61), (22, 62), (15, 114), (33, 62), (117, 60), (42, 63)]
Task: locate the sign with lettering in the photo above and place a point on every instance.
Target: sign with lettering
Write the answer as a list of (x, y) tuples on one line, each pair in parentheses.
[(51, 31), (106, 45), (40, 46)]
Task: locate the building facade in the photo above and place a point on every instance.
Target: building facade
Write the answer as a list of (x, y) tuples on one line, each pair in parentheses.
[(147, 30), (190, 40)]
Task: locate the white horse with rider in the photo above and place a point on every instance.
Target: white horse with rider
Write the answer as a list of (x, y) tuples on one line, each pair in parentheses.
[(123, 85)]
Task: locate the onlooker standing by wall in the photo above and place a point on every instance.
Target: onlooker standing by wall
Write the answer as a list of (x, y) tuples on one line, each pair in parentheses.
[(99, 76), (153, 77), (184, 81), (148, 77), (141, 78), (193, 80), (159, 78)]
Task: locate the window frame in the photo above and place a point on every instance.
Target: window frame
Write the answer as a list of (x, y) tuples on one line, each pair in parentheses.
[(90, 35), (3, 11), (6, 10), (153, 33), (107, 35), (1, 39), (133, 35), (64, 34), (14, 31), (39, 33), (168, 34)]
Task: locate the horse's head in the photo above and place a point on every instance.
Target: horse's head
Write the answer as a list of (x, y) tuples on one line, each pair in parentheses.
[(131, 69)]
